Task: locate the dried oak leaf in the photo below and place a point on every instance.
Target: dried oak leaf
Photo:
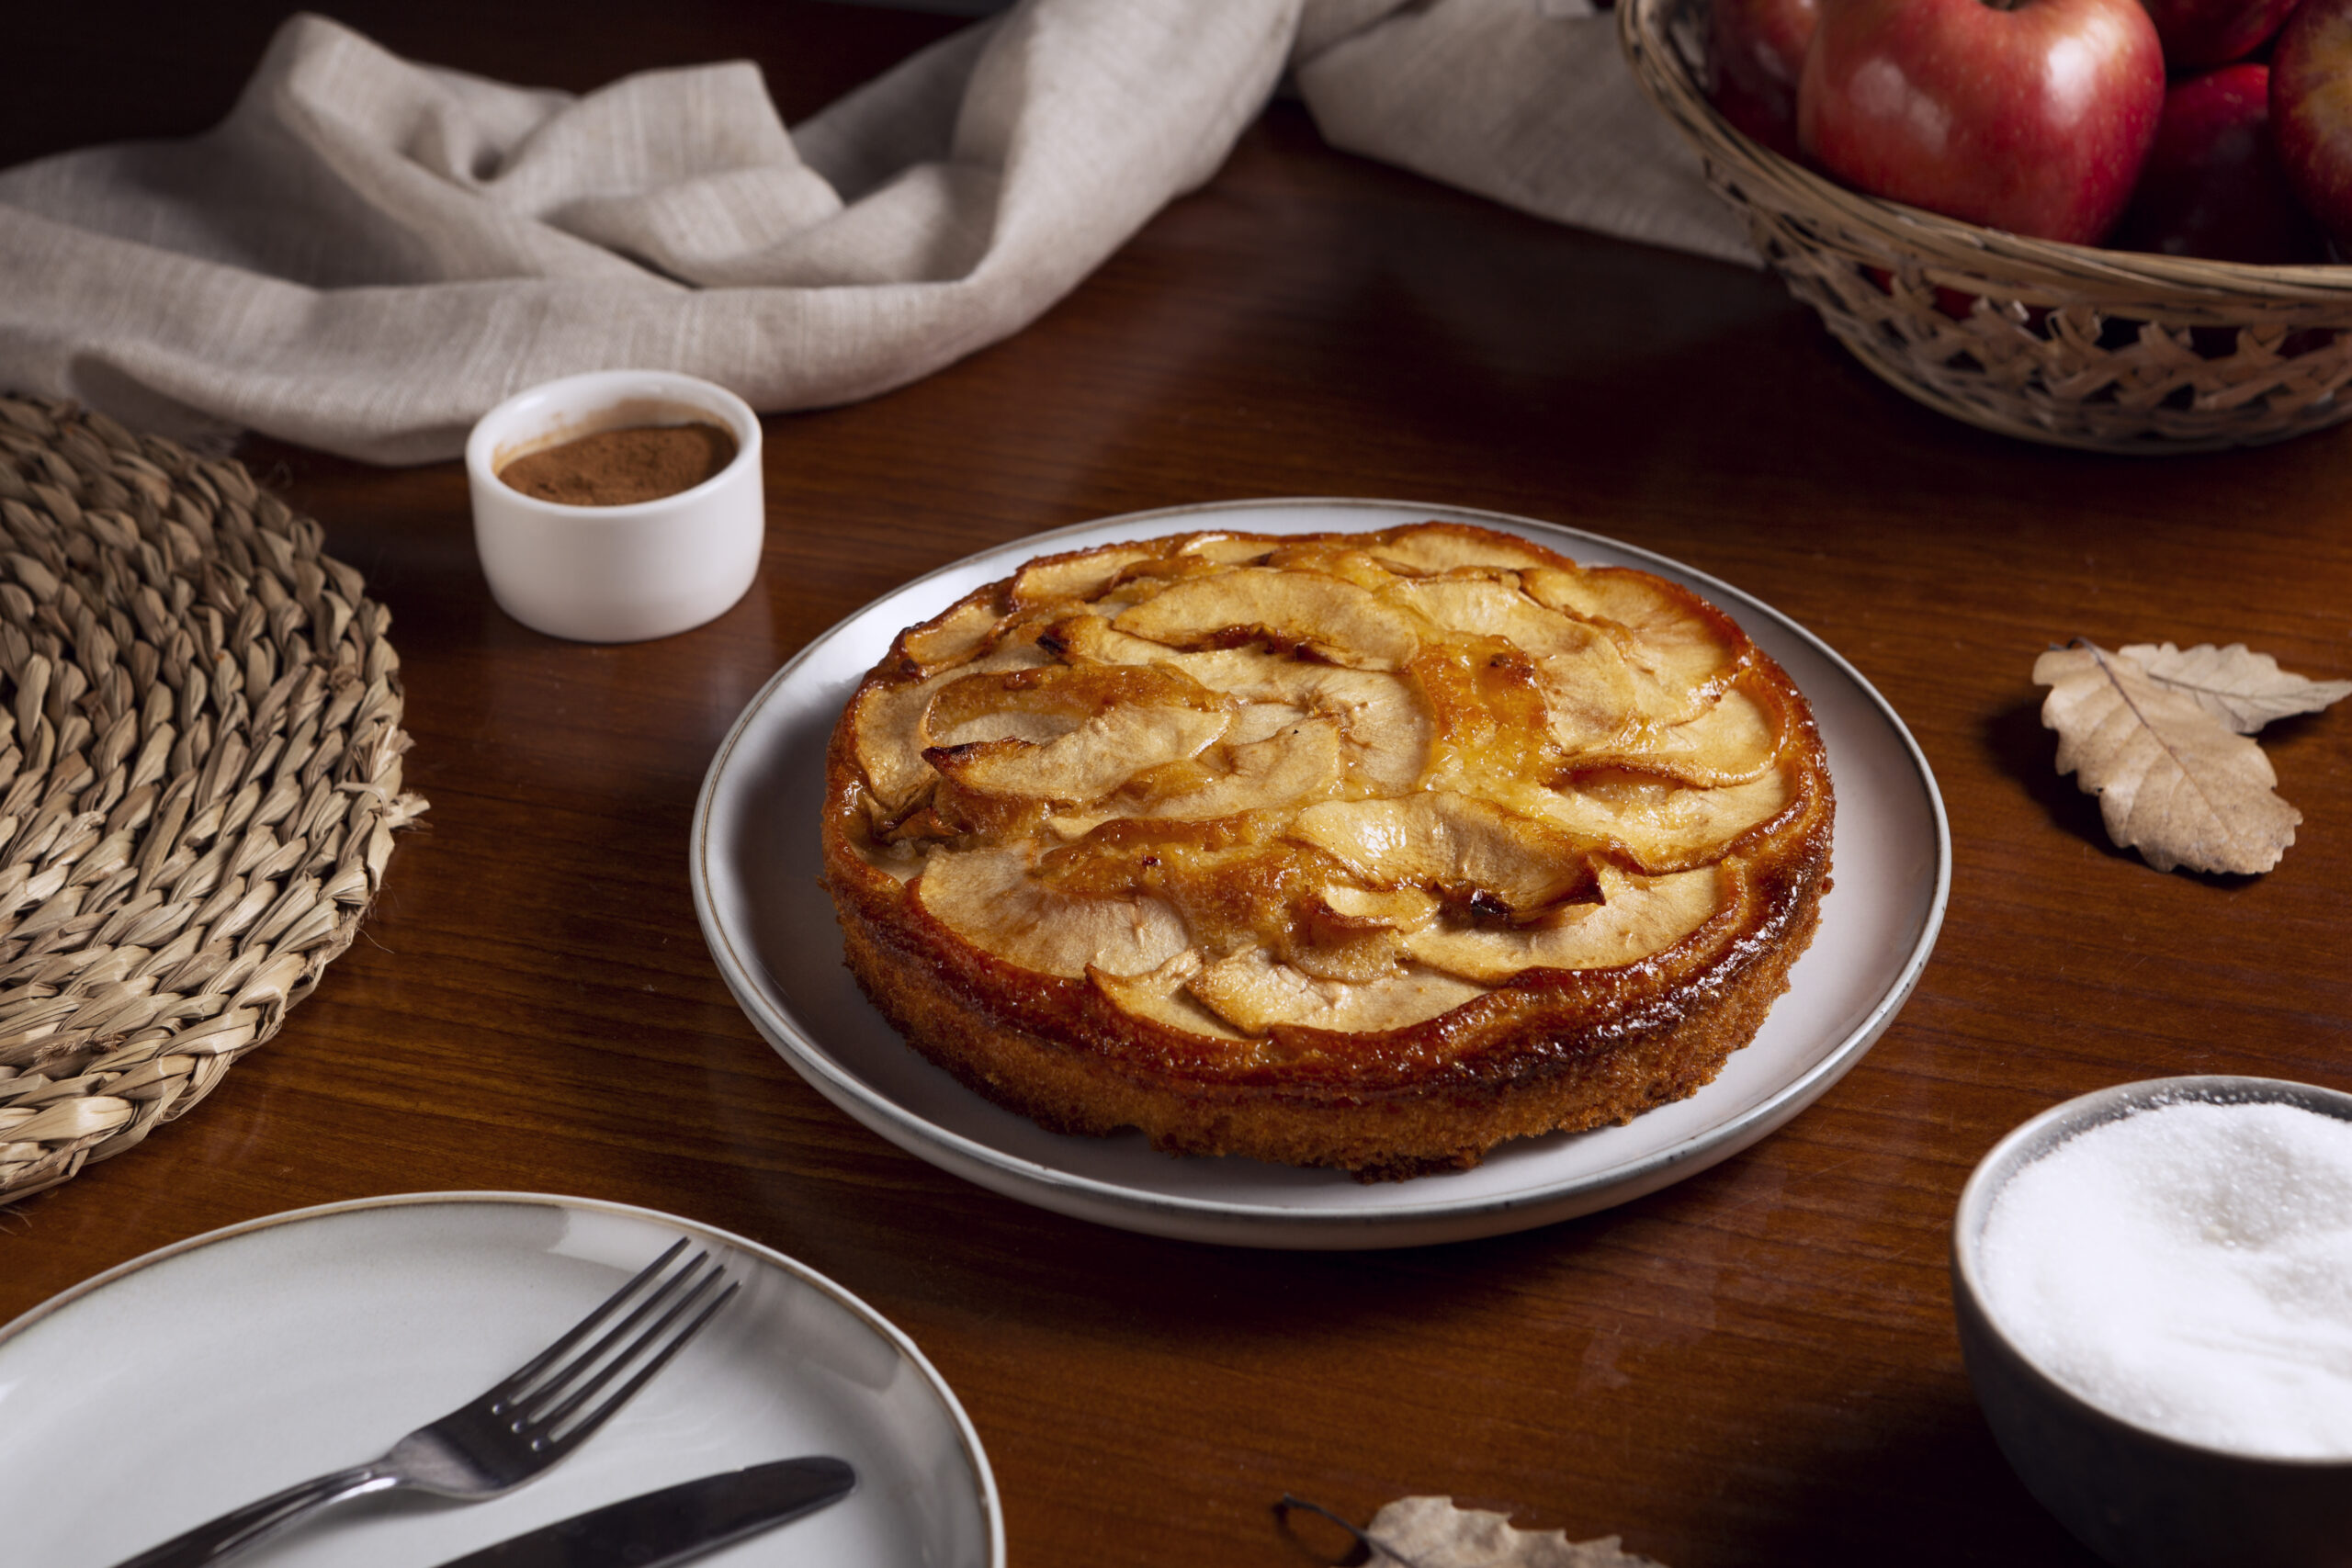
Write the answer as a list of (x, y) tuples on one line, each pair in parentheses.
[(2173, 780), (1430, 1532), (2242, 689)]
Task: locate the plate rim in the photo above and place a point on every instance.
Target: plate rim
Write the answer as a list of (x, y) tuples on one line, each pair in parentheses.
[(967, 1436), (1183, 1216)]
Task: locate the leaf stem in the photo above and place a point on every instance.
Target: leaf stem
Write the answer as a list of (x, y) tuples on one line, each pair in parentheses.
[(1371, 1543)]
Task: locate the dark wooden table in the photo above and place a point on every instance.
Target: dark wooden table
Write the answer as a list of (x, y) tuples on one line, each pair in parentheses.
[(1757, 1365)]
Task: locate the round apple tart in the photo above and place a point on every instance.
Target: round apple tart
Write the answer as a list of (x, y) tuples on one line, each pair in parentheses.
[(1367, 851)]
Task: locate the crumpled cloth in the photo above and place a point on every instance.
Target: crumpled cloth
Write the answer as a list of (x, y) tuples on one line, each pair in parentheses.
[(369, 254)]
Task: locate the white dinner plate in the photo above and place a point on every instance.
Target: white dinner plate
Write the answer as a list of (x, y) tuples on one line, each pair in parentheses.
[(203, 1376), (755, 864)]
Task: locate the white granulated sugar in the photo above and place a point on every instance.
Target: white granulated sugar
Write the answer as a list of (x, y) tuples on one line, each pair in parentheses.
[(2189, 1267)]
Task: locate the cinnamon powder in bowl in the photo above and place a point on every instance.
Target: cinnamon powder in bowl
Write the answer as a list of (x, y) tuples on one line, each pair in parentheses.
[(621, 468)]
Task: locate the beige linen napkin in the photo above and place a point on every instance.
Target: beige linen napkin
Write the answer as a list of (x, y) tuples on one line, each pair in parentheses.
[(1530, 102), (367, 253)]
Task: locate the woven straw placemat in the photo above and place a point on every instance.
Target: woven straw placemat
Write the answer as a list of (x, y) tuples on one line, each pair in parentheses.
[(200, 774)]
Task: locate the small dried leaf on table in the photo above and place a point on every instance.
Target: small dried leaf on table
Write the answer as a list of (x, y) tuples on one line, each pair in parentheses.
[(1430, 1532), (2174, 780), (2242, 689)]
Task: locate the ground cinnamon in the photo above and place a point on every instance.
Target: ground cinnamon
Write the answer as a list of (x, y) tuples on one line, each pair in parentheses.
[(619, 468)]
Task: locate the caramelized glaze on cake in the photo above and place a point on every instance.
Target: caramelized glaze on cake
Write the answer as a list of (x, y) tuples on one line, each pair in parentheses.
[(1367, 851)]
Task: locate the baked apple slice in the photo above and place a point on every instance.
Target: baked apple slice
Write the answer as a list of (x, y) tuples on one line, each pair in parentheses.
[(1328, 617)]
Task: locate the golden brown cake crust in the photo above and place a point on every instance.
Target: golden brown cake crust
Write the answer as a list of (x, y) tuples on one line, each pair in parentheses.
[(1140, 1035)]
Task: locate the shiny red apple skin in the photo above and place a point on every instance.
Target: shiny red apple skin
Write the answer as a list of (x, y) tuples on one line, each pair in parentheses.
[(1757, 48), (2034, 117), (2199, 33), (2213, 186), (2311, 109)]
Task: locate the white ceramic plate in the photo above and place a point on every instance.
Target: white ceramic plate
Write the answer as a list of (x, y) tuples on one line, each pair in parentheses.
[(770, 926), (207, 1374)]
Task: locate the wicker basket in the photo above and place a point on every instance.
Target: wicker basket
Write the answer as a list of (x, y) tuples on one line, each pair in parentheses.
[(2113, 351), (199, 773)]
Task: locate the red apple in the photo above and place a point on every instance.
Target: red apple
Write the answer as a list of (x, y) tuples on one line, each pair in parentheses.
[(2197, 33), (2213, 186), (2311, 109), (1757, 48), (2027, 115)]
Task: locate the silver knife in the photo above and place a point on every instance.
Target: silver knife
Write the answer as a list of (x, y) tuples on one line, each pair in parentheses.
[(676, 1523)]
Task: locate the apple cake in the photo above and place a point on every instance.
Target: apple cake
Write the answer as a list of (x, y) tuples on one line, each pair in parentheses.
[(1366, 851)]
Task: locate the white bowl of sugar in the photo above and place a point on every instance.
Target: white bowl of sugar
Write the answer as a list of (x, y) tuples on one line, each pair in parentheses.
[(2153, 1290)]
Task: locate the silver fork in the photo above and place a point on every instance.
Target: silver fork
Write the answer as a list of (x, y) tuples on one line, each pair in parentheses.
[(511, 1432)]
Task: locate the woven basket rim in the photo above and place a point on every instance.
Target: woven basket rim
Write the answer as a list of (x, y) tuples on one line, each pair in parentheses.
[(1645, 30)]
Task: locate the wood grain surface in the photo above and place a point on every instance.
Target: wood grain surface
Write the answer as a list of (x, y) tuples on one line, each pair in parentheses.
[(1757, 1365)]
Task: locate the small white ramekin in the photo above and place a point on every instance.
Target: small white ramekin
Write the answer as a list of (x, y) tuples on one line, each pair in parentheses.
[(616, 573)]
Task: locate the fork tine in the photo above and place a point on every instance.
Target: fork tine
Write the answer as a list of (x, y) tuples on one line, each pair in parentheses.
[(619, 1342), (590, 1420), (523, 1376)]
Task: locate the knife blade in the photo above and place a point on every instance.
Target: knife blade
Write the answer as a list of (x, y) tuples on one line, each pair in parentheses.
[(656, 1528)]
